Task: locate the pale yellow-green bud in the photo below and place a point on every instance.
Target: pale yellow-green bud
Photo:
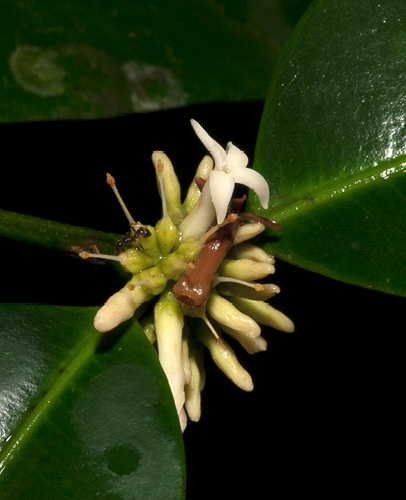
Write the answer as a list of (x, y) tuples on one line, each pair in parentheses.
[(250, 343), (193, 194), (190, 248), (134, 260), (152, 280), (171, 186), (255, 345), (168, 326), (245, 269), (225, 313), (247, 231), (167, 235), (150, 244), (174, 266), (225, 359), (264, 314), (253, 252)]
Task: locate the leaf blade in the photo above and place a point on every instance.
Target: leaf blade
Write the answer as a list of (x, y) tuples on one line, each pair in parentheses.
[(332, 146), (93, 60), (109, 417)]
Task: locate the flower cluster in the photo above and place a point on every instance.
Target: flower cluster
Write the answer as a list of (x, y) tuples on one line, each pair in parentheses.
[(202, 274)]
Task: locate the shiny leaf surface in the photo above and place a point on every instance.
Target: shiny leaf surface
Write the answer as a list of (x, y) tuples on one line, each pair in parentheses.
[(332, 144), (101, 58), (83, 416)]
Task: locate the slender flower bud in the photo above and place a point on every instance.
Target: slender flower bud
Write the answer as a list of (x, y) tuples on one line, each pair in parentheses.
[(120, 307), (246, 269), (225, 359), (247, 231), (264, 314), (168, 326), (194, 192), (249, 342), (225, 313), (167, 235), (253, 252), (195, 386), (170, 183)]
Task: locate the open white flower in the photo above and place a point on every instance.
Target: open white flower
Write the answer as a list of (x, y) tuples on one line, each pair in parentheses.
[(230, 168)]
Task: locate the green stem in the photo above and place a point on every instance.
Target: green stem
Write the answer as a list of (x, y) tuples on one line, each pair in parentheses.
[(51, 234)]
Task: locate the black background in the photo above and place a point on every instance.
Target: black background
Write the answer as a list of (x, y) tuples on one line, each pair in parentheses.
[(324, 415)]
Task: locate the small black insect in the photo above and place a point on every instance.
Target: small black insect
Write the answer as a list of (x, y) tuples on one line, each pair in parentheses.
[(134, 236)]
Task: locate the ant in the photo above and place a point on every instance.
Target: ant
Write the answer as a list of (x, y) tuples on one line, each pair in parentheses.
[(136, 233)]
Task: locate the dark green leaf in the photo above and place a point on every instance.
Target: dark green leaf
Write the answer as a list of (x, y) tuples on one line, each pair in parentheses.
[(332, 144), (100, 58), (83, 416)]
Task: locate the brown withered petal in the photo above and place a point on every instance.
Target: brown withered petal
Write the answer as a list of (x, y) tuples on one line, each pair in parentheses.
[(193, 288), (257, 218)]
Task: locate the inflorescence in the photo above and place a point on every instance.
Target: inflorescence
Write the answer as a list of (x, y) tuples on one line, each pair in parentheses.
[(202, 274)]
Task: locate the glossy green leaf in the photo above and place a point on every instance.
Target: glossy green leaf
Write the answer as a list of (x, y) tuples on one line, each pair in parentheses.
[(100, 58), (332, 144), (83, 416)]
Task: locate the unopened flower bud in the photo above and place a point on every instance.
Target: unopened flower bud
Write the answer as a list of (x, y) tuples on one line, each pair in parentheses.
[(167, 235), (226, 360), (225, 313), (171, 186), (133, 260), (250, 343), (194, 388), (264, 314), (253, 252), (193, 194), (247, 231), (168, 326), (120, 307), (190, 249), (152, 280), (245, 269), (174, 265)]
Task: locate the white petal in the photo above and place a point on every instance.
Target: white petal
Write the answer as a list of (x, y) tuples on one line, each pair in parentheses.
[(253, 180), (221, 191), (235, 158), (218, 153)]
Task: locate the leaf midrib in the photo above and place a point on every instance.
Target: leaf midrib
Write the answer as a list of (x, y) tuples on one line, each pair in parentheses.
[(339, 189)]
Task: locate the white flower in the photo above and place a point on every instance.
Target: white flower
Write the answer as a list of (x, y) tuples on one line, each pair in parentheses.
[(230, 168)]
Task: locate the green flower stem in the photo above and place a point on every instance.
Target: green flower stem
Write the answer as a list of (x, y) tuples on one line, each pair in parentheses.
[(52, 234)]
